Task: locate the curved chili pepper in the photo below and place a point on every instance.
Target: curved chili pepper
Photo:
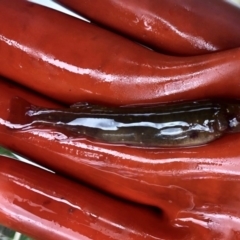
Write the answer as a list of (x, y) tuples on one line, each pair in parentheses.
[(195, 187), (178, 27), (73, 61), (46, 206)]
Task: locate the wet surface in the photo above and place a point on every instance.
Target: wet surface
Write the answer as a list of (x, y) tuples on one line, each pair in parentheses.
[(195, 188), (46, 206), (178, 28), (168, 125), (127, 74)]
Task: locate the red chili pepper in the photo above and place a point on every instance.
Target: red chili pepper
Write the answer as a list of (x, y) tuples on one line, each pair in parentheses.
[(183, 27), (192, 186), (46, 206), (70, 60)]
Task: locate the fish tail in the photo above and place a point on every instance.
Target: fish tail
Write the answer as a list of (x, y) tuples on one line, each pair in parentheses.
[(18, 112)]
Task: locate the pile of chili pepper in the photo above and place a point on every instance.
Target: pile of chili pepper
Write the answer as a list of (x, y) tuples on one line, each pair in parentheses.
[(135, 63)]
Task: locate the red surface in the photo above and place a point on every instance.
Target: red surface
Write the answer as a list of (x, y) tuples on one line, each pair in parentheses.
[(194, 187), (183, 27), (197, 189), (70, 60), (46, 206)]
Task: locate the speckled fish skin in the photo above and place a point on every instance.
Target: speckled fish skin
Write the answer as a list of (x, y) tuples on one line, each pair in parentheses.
[(181, 124)]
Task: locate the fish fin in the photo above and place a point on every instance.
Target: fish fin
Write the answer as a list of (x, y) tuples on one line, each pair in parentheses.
[(18, 111)]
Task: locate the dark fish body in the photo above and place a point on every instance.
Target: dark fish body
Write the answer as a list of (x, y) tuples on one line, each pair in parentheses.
[(165, 125)]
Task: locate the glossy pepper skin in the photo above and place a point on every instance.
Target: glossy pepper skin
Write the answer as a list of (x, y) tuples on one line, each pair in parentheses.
[(48, 207), (188, 27), (74, 61), (197, 188)]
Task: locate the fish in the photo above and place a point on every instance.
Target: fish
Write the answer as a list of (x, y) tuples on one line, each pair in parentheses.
[(179, 124)]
